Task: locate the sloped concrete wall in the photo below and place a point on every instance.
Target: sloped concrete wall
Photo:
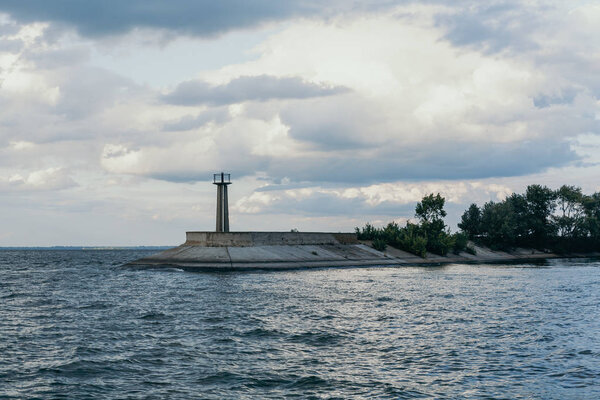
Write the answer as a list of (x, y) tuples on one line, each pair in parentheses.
[(249, 239), (194, 257)]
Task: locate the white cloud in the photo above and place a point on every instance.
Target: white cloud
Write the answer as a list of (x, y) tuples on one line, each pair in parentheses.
[(22, 145), (242, 145), (54, 178)]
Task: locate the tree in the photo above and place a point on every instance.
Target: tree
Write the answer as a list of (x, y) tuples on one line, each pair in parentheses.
[(591, 206), (430, 211), (570, 220), (470, 222), (498, 224), (564, 220), (540, 206), (519, 214)]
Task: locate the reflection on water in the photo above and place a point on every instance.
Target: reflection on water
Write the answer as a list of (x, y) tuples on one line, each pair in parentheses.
[(74, 324)]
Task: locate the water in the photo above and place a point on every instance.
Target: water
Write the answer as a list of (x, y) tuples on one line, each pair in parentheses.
[(74, 325)]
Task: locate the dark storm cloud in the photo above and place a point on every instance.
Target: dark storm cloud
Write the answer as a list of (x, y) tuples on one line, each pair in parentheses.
[(433, 161), (493, 25), (197, 17), (427, 161), (247, 88), (95, 18)]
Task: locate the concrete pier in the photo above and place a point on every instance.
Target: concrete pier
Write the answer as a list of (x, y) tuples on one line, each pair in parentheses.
[(266, 250)]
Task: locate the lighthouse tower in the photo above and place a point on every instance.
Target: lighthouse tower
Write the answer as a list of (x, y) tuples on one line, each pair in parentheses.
[(222, 180)]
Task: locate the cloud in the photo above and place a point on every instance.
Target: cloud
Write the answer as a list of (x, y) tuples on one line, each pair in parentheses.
[(247, 88), (446, 114), (99, 18), (53, 178), (492, 26), (95, 18), (216, 115), (426, 161), (320, 123), (267, 147), (397, 199), (51, 58), (241, 146)]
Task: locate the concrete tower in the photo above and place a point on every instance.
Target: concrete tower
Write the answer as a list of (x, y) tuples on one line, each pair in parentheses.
[(222, 180)]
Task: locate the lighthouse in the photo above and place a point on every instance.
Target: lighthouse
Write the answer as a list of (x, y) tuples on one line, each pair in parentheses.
[(222, 180)]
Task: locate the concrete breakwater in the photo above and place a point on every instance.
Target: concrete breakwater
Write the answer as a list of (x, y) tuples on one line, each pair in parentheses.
[(291, 250), (266, 250)]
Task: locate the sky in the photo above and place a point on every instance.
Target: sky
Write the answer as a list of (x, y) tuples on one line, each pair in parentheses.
[(328, 114)]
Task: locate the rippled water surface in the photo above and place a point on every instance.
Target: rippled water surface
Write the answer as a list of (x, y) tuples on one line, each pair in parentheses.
[(73, 324)]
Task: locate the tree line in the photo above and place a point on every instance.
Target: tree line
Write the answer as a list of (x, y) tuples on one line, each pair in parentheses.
[(562, 220)]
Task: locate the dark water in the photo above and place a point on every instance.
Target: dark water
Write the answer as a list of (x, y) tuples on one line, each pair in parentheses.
[(74, 325)]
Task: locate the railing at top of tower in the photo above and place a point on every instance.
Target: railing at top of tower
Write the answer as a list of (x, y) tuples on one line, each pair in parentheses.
[(221, 178)]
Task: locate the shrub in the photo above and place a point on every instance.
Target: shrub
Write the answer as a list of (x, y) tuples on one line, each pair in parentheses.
[(369, 232), (441, 243), (460, 242), (410, 239), (418, 245), (379, 244)]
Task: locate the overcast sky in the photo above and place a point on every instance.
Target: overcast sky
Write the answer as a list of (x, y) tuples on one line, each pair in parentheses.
[(328, 114)]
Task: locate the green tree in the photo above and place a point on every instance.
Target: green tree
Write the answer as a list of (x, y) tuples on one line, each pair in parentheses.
[(498, 224), (470, 222), (519, 219), (430, 212), (570, 220), (591, 207), (430, 209), (564, 220), (540, 206)]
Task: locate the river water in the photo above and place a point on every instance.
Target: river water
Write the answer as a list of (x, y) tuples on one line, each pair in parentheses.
[(75, 325)]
